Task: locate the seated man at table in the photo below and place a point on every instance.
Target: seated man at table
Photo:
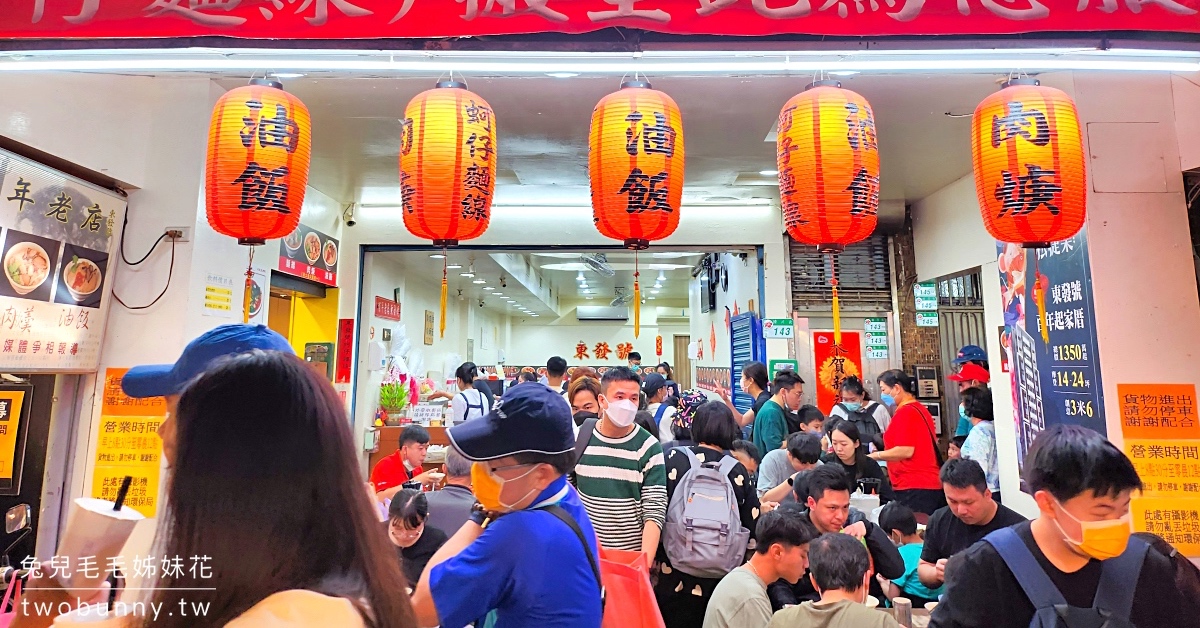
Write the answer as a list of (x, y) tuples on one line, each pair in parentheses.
[(828, 502), (970, 515), (840, 570), (803, 452), (450, 507), (403, 466)]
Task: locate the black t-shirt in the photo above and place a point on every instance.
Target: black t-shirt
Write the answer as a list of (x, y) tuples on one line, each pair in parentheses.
[(946, 535), (761, 399), (865, 467), (981, 592), (413, 559)]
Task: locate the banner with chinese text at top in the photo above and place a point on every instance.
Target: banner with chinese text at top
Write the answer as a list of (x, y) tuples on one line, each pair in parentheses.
[(369, 19), (1055, 367), (57, 239), (1162, 437), (127, 443), (834, 363), (311, 255)]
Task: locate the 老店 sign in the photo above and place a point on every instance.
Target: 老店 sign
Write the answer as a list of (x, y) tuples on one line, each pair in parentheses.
[(371, 19), (58, 235), (387, 309)]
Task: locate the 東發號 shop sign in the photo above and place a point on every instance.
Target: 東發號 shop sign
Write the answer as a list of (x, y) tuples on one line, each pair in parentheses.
[(370, 19)]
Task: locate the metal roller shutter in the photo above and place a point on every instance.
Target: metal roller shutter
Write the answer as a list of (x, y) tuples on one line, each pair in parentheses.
[(863, 273)]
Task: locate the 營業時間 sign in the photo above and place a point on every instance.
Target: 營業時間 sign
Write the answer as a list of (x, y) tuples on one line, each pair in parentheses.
[(58, 234), (311, 255), (370, 19), (127, 443)]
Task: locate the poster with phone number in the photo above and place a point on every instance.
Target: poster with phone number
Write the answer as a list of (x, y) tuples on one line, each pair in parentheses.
[(127, 444)]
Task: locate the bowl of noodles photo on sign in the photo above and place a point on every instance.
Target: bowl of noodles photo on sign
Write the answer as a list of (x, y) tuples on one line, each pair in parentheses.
[(81, 280), (29, 261)]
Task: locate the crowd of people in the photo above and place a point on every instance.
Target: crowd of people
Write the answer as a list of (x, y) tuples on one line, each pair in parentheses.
[(743, 520)]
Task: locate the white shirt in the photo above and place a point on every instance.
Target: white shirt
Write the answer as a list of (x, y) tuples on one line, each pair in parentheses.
[(468, 404), (665, 433)]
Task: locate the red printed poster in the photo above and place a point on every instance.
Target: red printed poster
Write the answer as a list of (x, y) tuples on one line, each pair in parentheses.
[(371, 19), (387, 309), (345, 351), (835, 363)]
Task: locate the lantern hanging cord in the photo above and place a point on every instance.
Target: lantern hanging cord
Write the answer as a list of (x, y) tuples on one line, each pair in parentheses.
[(170, 272)]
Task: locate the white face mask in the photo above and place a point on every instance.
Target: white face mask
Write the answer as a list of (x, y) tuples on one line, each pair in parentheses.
[(621, 412)]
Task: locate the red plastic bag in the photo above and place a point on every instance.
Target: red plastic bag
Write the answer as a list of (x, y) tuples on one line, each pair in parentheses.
[(11, 595), (629, 601)]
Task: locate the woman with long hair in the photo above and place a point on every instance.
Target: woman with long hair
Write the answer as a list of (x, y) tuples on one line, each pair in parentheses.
[(267, 484), (911, 449)]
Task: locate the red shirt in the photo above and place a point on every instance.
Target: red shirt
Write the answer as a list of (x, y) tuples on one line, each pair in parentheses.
[(912, 426), (391, 472)]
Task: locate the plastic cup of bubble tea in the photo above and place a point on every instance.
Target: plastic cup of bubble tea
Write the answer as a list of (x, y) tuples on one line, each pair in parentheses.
[(93, 613), (96, 530)]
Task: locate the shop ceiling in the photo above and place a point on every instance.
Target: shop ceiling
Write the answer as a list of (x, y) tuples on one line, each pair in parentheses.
[(728, 124)]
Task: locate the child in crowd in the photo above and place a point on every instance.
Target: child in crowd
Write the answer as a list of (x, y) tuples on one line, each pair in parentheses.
[(954, 451), (899, 522), (747, 454)]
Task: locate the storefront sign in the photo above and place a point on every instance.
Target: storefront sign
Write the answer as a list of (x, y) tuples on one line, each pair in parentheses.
[(834, 364), (12, 404), (1057, 380), (345, 351), (361, 19), (310, 254), (57, 236), (128, 444), (776, 366), (387, 309), (927, 319), (779, 328)]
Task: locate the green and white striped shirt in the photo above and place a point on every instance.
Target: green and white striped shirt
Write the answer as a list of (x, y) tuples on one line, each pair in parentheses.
[(623, 485)]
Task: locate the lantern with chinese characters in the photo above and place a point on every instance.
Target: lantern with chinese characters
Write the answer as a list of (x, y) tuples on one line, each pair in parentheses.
[(447, 168), (827, 153), (636, 162), (1030, 172), (259, 148)]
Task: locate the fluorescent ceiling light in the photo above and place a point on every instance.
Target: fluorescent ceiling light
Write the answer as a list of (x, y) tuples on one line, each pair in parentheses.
[(768, 173), (466, 274), (654, 292), (499, 294), (437, 256), (562, 74), (535, 315), (287, 75), (489, 289), (478, 281), (453, 266), (660, 62)]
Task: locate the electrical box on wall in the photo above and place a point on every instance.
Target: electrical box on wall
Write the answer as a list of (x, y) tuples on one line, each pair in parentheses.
[(935, 411), (376, 356), (927, 381)]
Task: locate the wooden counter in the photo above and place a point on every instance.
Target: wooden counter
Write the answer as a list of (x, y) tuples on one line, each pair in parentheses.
[(389, 442)]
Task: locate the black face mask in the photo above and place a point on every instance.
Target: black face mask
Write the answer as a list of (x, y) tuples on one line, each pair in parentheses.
[(584, 415)]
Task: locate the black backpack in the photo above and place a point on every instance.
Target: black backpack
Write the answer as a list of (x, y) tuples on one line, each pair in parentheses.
[(1113, 603), (868, 428)]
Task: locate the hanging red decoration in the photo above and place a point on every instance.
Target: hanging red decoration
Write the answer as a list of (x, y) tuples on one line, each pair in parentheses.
[(447, 168), (259, 150), (636, 163), (1030, 171)]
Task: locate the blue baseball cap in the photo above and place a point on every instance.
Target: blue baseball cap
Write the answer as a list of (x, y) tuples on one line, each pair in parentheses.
[(156, 380), (527, 419), (971, 353)]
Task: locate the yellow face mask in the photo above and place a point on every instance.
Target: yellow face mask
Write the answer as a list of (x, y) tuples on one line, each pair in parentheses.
[(487, 488), (1101, 539)]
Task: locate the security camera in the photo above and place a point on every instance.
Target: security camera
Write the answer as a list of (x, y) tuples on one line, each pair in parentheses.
[(503, 284), (481, 303), (348, 215)]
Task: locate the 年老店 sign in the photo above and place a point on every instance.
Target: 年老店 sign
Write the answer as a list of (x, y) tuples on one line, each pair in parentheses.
[(370, 19)]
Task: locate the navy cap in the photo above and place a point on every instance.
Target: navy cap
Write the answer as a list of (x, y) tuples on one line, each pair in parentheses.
[(971, 353), (156, 380), (527, 419), (652, 383)]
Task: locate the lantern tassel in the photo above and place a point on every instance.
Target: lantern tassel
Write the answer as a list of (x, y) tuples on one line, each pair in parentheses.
[(837, 309), (249, 293), (442, 323)]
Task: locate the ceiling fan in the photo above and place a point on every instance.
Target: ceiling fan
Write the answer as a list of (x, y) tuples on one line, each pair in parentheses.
[(598, 262), (623, 297)]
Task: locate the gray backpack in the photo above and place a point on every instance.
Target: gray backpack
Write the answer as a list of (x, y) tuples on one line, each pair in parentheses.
[(704, 536)]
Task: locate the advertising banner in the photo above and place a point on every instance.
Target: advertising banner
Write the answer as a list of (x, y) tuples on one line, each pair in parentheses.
[(310, 254), (14, 412), (128, 444), (834, 364), (369, 19), (55, 247)]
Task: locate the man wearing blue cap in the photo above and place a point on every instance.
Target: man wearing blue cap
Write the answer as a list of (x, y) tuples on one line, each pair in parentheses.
[(529, 552), (169, 380)]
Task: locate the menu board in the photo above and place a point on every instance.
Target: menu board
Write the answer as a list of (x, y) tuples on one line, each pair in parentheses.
[(310, 254), (1050, 337), (128, 445), (1162, 437), (57, 237)]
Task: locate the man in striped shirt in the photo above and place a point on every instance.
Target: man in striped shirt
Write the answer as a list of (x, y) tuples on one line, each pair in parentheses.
[(620, 475)]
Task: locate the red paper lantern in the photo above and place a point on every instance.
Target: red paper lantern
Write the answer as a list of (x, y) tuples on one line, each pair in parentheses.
[(635, 160), (447, 164), (1030, 172), (828, 160), (259, 148)]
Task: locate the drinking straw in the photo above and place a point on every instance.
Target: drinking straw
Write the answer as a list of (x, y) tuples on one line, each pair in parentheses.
[(122, 492)]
